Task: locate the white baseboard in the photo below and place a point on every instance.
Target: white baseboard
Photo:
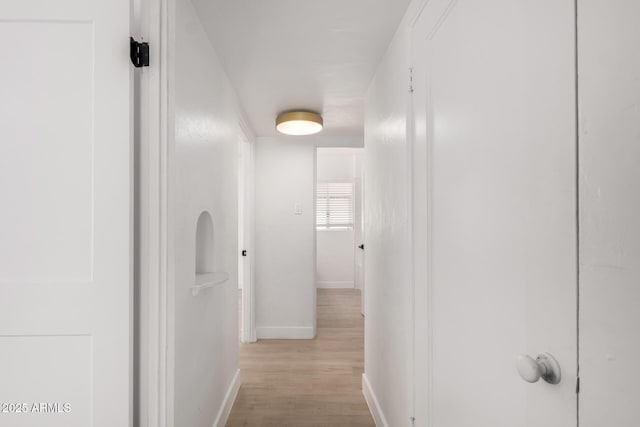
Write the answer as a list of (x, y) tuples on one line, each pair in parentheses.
[(372, 402), (229, 399), (285, 333), (335, 285)]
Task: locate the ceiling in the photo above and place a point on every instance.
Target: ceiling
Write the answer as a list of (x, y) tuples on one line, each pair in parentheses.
[(301, 54)]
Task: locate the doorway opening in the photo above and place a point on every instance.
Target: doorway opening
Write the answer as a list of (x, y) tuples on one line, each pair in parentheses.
[(339, 222)]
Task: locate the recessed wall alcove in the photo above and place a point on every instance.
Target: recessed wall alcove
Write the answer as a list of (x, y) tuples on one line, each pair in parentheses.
[(205, 262)]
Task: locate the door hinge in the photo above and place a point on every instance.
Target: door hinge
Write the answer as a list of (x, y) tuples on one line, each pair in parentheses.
[(578, 385), (139, 53), (244, 252), (410, 79)]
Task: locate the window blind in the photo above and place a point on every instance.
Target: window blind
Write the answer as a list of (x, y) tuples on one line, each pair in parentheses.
[(334, 205)]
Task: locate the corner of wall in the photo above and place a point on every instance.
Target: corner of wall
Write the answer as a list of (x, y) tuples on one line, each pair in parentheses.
[(229, 400), (372, 403)]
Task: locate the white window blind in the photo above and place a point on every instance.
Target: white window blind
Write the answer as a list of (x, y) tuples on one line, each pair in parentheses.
[(334, 206)]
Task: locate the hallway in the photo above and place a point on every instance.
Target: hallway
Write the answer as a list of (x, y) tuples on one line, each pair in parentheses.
[(158, 156), (307, 382)]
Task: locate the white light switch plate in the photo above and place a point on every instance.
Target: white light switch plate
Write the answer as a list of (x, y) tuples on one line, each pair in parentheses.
[(297, 209)]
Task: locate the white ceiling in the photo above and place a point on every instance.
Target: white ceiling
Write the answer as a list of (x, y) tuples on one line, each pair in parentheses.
[(289, 54)]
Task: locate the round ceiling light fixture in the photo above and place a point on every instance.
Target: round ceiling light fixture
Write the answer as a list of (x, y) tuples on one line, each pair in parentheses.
[(299, 123)]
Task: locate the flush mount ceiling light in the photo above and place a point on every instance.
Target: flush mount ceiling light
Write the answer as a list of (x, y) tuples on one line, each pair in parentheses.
[(299, 123)]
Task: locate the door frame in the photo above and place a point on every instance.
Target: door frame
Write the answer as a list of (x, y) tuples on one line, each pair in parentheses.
[(420, 221), (419, 181), (247, 166), (154, 21), (420, 218), (359, 277)]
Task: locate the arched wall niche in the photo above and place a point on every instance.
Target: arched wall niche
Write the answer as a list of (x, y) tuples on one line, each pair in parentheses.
[(205, 262), (204, 244)]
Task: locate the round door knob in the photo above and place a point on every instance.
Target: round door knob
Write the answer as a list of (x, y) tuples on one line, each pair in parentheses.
[(544, 366)]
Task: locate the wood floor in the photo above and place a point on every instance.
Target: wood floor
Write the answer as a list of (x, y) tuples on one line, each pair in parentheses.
[(291, 383)]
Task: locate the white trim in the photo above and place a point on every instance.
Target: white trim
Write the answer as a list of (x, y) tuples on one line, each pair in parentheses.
[(167, 315), (372, 403), (336, 285), (248, 326), (285, 332), (155, 25), (314, 191), (229, 400), (423, 29)]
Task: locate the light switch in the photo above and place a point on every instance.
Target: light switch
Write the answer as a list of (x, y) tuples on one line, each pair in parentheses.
[(297, 209)]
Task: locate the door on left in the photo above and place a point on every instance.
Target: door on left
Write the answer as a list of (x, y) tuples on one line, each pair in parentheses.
[(65, 217)]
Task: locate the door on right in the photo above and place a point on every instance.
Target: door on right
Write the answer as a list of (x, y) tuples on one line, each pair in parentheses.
[(495, 210)]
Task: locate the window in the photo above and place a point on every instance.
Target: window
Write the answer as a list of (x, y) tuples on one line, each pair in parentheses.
[(334, 207)]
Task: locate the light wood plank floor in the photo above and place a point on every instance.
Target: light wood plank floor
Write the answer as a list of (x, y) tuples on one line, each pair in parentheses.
[(291, 383)]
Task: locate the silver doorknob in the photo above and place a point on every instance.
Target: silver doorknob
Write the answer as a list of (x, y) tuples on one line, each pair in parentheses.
[(544, 366)]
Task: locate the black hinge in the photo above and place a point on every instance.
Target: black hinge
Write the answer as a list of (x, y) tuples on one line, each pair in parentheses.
[(244, 252), (578, 385), (139, 53)]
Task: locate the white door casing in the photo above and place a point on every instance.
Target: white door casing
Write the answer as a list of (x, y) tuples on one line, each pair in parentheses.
[(246, 221), (359, 231), (241, 215), (65, 224), (494, 210)]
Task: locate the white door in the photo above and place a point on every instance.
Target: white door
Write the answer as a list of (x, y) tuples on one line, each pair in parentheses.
[(609, 88), (65, 221), (495, 210)]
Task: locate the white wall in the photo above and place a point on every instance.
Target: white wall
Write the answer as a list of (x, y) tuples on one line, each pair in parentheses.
[(336, 248), (205, 178), (336, 164), (609, 88), (284, 242), (335, 258), (285, 247), (388, 296)]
